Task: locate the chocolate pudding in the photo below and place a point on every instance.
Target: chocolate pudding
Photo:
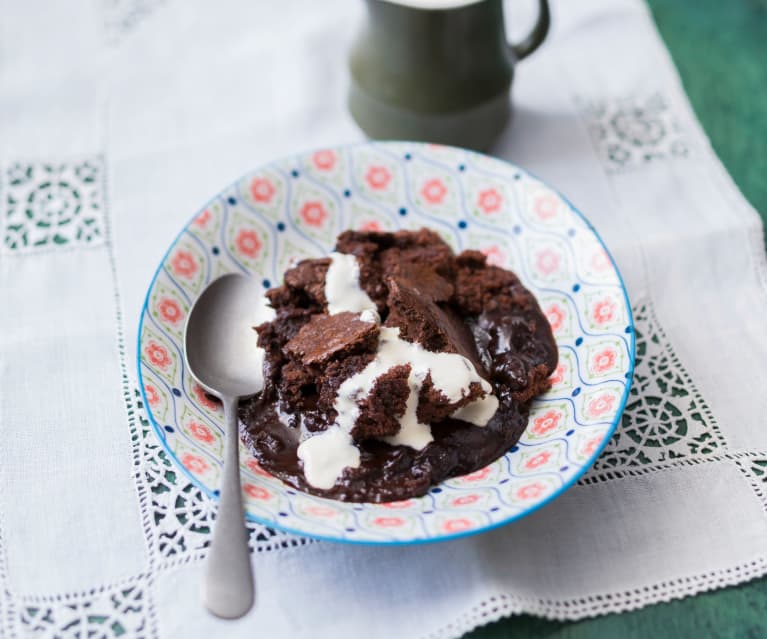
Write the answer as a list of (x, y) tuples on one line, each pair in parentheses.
[(392, 365)]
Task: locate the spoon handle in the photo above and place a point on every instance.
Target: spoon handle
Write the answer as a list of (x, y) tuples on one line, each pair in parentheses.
[(227, 589)]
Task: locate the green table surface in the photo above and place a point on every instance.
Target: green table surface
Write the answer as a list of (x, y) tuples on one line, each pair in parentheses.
[(720, 50)]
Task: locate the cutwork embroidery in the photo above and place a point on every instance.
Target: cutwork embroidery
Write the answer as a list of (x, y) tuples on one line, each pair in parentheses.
[(755, 471), (120, 612), (181, 515), (630, 132), (665, 416), (47, 205)]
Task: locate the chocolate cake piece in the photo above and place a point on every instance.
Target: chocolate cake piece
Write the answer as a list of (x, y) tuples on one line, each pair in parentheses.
[(319, 356), (442, 302), (480, 286), (272, 337), (308, 277), (326, 336), (422, 321), (421, 256), (434, 407), (422, 279), (329, 379), (426, 264), (381, 411)]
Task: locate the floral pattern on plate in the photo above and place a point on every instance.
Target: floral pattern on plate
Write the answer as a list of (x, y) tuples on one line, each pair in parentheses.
[(293, 209)]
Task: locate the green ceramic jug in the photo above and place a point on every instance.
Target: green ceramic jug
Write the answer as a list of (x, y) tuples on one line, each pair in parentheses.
[(436, 70)]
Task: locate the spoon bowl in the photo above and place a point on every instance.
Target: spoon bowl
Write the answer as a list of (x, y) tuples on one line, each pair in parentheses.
[(221, 353), (220, 345)]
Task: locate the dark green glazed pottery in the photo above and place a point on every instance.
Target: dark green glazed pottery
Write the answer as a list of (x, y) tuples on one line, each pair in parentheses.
[(436, 71)]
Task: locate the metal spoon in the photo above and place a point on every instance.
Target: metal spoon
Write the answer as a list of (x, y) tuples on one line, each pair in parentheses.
[(220, 352)]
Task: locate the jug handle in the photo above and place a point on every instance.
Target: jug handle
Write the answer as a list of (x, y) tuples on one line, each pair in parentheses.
[(536, 37)]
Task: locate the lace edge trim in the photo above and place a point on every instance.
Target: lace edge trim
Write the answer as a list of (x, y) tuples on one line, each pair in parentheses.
[(296, 543), (9, 616), (504, 604), (83, 596), (637, 471)]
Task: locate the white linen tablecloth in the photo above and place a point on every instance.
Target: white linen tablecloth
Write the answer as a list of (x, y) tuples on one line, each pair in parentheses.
[(119, 118)]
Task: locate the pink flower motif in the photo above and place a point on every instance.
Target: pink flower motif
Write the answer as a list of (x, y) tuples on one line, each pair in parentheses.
[(255, 467), (262, 190), (313, 213), (151, 395), (604, 311), (184, 264), (545, 207), (494, 255), (536, 461), (157, 354), (490, 201), (204, 399), (201, 432), (556, 316), (202, 219), (324, 160), (558, 376), (320, 511), (456, 525), (405, 503), (598, 406), (170, 311), (194, 463), (248, 243), (603, 361), (371, 225), (256, 492), (378, 177), (591, 446), (600, 261), (478, 475), (546, 423), (531, 491), (547, 261), (434, 191), (465, 500), (388, 522)]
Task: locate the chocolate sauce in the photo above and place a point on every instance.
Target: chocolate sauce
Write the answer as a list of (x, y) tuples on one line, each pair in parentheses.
[(386, 473)]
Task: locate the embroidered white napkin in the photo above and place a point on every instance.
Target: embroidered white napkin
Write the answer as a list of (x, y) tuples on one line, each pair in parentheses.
[(117, 120)]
